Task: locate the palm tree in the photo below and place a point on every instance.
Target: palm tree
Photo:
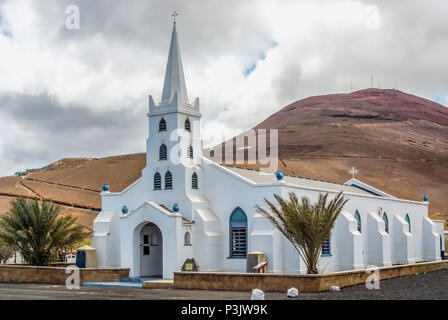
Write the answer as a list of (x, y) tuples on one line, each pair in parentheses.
[(38, 232), (306, 225), (6, 252)]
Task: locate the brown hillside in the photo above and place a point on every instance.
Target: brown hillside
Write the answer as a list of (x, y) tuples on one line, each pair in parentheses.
[(398, 142), (75, 184)]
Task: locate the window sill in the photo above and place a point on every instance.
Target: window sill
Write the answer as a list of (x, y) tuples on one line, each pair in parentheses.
[(326, 255), (236, 257), (188, 245)]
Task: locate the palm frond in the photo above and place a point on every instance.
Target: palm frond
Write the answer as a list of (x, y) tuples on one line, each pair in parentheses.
[(307, 226)]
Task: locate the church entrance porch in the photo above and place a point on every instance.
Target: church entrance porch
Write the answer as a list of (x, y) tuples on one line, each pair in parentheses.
[(151, 251)]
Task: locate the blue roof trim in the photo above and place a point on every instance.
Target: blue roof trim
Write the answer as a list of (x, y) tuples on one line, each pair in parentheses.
[(364, 186), (367, 190)]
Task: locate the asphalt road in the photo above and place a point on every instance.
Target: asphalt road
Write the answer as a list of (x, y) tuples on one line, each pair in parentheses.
[(431, 285)]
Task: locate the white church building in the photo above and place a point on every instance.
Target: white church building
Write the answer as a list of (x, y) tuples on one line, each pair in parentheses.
[(196, 208)]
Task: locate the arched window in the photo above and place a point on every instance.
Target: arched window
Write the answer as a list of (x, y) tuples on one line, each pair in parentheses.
[(408, 220), (157, 181), (187, 125), (163, 152), (326, 247), (190, 152), (358, 218), (162, 125), (194, 181), (168, 180), (386, 222), (187, 239), (238, 234)]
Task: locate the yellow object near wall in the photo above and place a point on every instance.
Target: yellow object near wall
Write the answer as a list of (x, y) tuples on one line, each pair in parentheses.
[(86, 257)]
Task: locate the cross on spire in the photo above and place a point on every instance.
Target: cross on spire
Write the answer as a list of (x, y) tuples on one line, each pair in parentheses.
[(353, 171), (174, 16)]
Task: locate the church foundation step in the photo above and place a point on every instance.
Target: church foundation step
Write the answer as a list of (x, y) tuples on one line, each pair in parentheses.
[(137, 285), (158, 284)]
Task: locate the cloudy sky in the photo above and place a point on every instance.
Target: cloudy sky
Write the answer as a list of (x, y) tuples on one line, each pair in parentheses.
[(83, 92)]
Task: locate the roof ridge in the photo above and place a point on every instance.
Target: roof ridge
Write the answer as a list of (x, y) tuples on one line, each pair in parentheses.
[(286, 175)]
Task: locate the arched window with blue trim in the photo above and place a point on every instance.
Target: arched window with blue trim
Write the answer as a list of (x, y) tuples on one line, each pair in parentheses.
[(386, 222), (326, 248), (408, 220), (238, 234), (358, 218), (157, 181)]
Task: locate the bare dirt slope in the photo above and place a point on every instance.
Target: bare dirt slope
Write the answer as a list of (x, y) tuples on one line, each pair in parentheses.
[(75, 184), (398, 142)]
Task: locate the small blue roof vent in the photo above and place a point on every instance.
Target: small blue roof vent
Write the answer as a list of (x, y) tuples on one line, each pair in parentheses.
[(425, 198), (105, 187), (176, 208), (279, 175), (124, 210)]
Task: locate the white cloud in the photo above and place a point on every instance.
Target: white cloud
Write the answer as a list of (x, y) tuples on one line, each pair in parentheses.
[(118, 57)]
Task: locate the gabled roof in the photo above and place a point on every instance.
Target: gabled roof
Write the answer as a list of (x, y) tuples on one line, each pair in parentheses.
[(263, 178)]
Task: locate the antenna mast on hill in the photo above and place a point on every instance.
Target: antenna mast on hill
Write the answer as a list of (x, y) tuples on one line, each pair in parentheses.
[(372, 80)]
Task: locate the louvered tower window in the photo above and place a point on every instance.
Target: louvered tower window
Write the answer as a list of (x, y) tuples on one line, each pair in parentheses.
[(187, 125), (238, 234), (157, 181), (190, 152), (162, 125), (168, 180), (163, 152)]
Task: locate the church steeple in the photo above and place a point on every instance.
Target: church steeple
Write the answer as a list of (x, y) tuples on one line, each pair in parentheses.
[(174, 74)]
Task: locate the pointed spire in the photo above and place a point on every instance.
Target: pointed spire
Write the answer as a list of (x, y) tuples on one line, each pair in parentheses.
[(174, 74)]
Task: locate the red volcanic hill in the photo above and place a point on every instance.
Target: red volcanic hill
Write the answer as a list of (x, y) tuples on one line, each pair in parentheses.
[(397, 141)]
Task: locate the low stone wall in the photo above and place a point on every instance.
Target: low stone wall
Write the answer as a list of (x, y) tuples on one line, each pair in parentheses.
[(58, 275), (62, 264), (303, 282)]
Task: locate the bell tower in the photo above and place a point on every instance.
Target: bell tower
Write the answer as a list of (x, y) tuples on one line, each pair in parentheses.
[(173, 148)]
